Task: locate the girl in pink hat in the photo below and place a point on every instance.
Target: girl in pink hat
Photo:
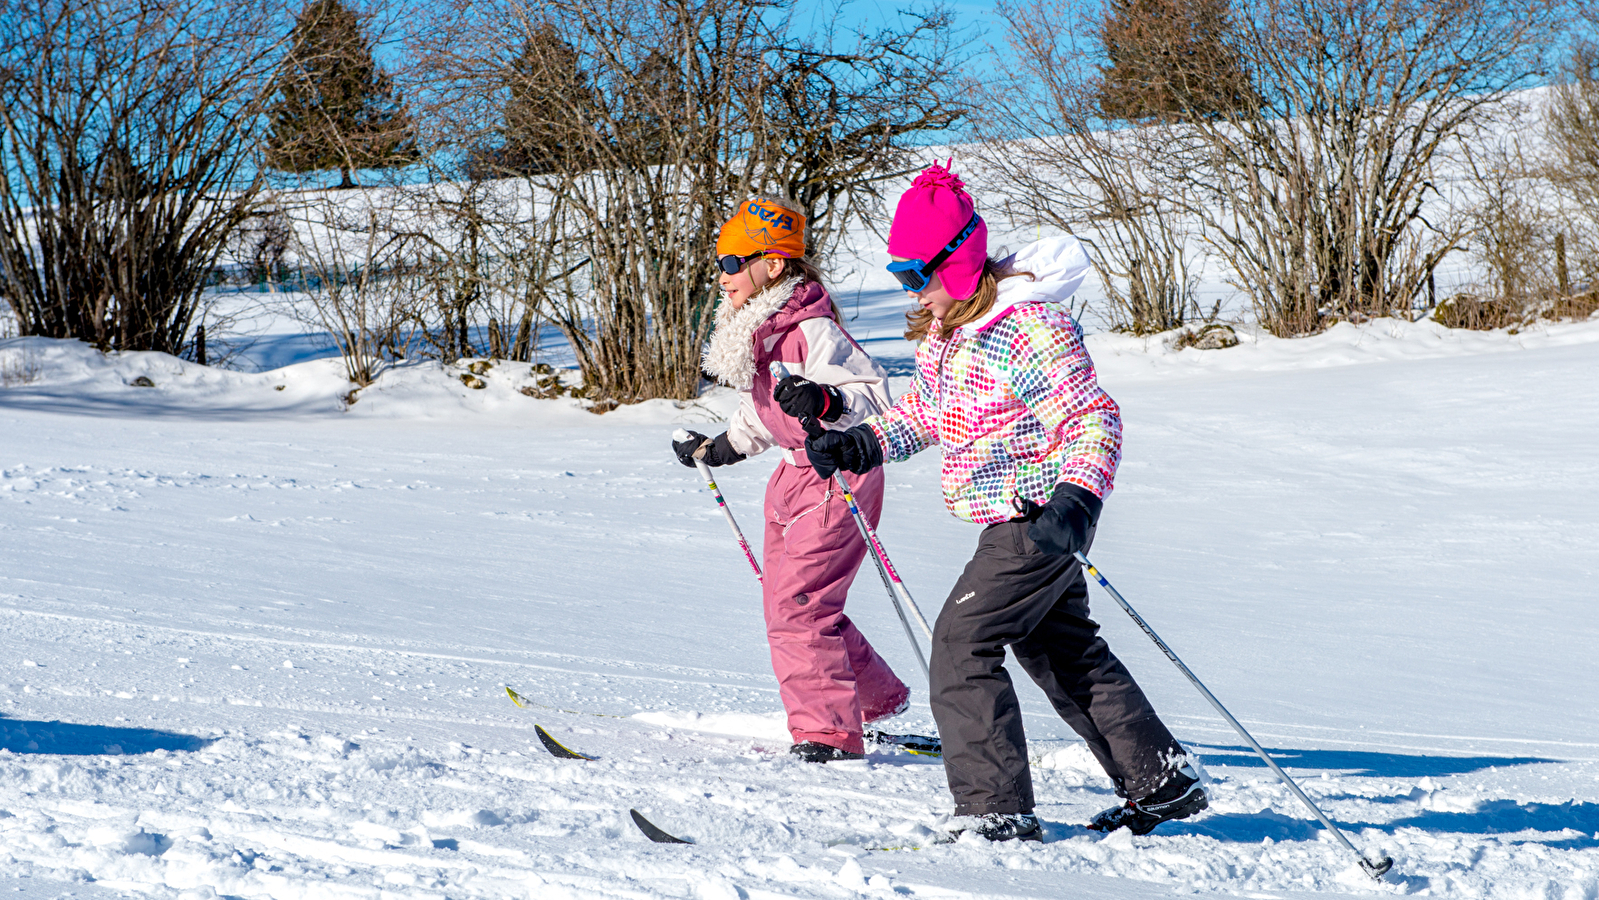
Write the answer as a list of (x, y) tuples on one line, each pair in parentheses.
[(1004, 387), (775, 309)]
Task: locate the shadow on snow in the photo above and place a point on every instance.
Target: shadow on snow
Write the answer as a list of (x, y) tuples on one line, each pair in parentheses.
[(71, 739), (1361, 762)]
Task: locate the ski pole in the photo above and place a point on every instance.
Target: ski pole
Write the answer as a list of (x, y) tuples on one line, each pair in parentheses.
[(1375, 869), (877, 547), (681, 435), (882, 571), (885, 569)]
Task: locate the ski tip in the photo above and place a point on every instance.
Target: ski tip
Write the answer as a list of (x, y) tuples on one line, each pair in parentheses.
[(556, 748), (653, 833), (515, 698)]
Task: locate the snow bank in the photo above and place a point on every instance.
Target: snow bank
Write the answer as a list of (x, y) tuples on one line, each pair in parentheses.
[(1126, 358), (73, 376), (69, 375)]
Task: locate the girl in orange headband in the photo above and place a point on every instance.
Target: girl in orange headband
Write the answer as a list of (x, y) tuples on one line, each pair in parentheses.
[(775, 309)]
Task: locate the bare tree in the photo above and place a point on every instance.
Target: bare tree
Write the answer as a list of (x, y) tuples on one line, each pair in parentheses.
[(1044, 146), (1317, 191), (125, 138), (669, 114), (1572, 125), (839, 114)]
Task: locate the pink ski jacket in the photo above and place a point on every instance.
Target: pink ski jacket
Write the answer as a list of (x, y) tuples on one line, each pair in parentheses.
[(1011, 399), (804, 337)]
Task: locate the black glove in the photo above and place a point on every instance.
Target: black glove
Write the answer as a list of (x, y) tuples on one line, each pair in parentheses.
[(717, 452), (853, 450), (1063, 523), (808, 400)]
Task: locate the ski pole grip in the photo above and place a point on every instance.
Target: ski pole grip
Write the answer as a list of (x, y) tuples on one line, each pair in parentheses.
[(680, 435), (778, 370)]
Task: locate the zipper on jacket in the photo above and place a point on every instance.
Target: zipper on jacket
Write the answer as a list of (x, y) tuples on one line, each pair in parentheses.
[(942, 355)]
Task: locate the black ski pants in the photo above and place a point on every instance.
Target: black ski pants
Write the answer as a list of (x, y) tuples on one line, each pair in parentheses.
[(1014, 595)]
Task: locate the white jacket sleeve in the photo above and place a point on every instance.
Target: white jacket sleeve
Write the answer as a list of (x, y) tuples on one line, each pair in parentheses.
[(832, 358), (745, 430)]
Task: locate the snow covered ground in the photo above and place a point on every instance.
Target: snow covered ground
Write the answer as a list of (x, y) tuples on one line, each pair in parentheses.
[(255, 642)]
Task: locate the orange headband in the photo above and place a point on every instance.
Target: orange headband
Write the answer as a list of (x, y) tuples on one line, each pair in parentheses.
[(763, 228)]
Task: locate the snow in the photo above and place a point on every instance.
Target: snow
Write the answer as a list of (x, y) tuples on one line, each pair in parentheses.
[(257, 639)]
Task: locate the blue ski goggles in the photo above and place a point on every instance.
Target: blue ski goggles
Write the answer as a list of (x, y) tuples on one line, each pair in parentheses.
[(914, 274)]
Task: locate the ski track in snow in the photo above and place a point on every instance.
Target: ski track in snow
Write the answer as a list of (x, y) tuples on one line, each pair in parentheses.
[(255, 651)]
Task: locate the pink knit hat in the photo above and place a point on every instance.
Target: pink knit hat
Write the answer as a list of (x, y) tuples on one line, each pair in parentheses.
[(931, 214)]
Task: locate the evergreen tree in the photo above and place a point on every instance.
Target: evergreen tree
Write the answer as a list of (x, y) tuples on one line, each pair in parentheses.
[(549, 97), (336, 109), (1170, 59)]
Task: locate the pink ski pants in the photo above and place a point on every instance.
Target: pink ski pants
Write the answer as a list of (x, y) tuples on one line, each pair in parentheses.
[(830, 678)]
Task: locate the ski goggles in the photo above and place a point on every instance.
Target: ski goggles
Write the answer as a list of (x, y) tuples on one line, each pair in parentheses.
[(914, 274), (732, 264)]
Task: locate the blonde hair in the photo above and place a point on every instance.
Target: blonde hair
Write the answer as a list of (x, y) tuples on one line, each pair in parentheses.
[(920, 320), (802, 266)]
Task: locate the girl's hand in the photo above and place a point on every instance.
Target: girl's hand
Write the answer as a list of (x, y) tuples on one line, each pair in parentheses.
[(1063, 523), (854, 450), (713, 452), (804, 399)]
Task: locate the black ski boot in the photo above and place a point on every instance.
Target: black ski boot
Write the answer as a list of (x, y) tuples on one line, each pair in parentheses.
[(1179, 798), (811, 751), (997, 827)]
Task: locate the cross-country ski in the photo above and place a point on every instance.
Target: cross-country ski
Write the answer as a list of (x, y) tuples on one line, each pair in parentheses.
[(652, 832)]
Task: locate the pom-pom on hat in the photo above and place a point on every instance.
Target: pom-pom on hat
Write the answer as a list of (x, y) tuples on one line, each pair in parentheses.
[(761, 226), (931, 214)]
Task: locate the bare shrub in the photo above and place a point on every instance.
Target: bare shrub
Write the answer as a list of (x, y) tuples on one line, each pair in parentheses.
[(259, 243), (125, 134), (20, 364), (1476, 314), (358, 282), (1510, 238), (1533, 226), (1572, 128), (634, 129), (1316, 191), (501, 97)]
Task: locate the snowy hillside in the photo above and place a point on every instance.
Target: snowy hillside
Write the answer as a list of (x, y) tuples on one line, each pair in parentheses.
[(256, 640)]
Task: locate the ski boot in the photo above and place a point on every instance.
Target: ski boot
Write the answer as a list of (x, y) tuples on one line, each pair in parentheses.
[(1180, 797), (996, 827), (814, 752)]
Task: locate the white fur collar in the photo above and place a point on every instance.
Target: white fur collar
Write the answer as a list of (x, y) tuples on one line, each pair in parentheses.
[(730, 356)]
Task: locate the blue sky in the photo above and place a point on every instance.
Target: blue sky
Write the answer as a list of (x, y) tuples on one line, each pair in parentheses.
[(977, 20)]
